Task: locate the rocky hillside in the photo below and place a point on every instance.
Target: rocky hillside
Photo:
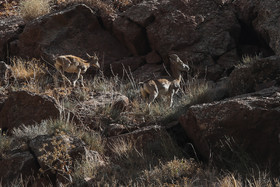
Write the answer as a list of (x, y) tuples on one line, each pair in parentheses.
[(224, 126)]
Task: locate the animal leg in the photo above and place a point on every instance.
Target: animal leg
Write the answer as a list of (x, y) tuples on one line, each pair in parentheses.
[(144, 94), (78, 76), (66, 64), (65, 78), (171, 97), (152, 97), (82, 80)]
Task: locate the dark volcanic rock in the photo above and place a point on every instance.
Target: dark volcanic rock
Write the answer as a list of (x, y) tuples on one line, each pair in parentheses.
[(263, 17), (140, 137), (52, 152), (75, 30), (128, 64), (198, 31), (153, 58), (88, 111), (251, 120), (257, 75), (10, 27), (27, 108), (132, 35), (16, 165)]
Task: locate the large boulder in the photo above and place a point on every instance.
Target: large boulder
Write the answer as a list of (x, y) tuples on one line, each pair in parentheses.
[(88, 111), (199, 31), (57, 154), (125, 66), (22, 107), (44, 148), (75, 30), (17, 161), (252, 121), (263, 17), (10, 27), (140, 138), (44, 157), (132, 35), (151, 71), (16, 165), (254, 76)]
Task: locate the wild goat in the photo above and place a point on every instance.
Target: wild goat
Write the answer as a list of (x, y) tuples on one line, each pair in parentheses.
[(165, 86), (74, 64)]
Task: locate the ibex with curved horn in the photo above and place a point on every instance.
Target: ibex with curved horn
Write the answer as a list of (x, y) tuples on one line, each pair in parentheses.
[(151, 89)]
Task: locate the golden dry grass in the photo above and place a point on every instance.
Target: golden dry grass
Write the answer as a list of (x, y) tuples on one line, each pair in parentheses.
[(31, 9), (27, 69), (162, 163), (8, 8), (105, 7), (27, 75)]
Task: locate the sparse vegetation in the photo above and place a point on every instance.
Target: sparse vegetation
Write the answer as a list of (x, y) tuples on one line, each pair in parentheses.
[(124, 160), (247, 59), (62, 125), (27, 69), (31, 9), (198, 91), (105, 7), (27, 75), (56, 157), (159, 163), (94, 141), (177, 171), (5, 141), (30, 131)]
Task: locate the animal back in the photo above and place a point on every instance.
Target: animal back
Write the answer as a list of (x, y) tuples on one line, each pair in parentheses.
[(163, 85), (72, 69)]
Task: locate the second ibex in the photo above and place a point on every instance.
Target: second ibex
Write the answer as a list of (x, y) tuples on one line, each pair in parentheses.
[(151, 89)]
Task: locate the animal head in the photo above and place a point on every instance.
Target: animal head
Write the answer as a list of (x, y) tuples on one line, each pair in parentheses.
[(93, 60), (178, 63)]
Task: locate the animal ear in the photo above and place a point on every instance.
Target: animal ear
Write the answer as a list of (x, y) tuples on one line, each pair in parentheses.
[(95, 55)]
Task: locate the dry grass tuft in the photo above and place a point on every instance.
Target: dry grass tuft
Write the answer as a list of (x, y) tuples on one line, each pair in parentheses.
[(249, 59), (31, 75), (197, 91), (105, 7), (31, 9), (93, 140), (55, 156), (124, 150), (26, 70), (5, 142), (177, 171), (30, 131)]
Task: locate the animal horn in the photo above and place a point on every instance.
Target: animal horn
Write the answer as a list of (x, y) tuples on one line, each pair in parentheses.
[(88, 55)]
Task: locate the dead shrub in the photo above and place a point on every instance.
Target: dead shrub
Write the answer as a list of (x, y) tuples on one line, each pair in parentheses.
[(31, 9)]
